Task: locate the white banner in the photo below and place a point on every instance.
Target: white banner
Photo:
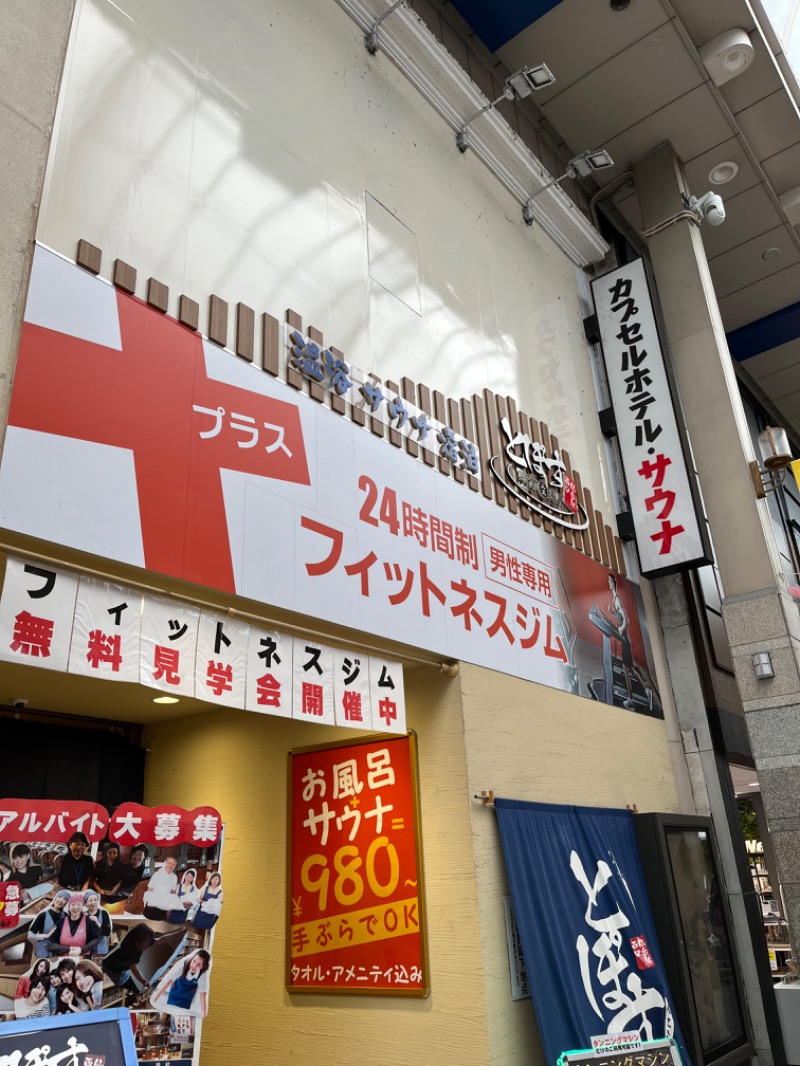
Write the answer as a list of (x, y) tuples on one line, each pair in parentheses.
[(312, 691), (169, 644), (36, 614), (269, 673), (221, 662), (388, 695), (106, 631), (122, 635), (351, 690), (669, 535)]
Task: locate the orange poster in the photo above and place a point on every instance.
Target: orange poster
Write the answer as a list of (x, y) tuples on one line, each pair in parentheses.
[(356, 920)]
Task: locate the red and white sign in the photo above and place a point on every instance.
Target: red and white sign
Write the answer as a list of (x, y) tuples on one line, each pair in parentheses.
[(356, 903), (36, 614), (669, 534), (207, 469), (269, 672), (313, 683), (169, 645), (106, 631), (351, 690), (221, 665)]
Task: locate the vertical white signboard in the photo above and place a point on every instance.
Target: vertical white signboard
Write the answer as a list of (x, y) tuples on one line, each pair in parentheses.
[(669, 535)]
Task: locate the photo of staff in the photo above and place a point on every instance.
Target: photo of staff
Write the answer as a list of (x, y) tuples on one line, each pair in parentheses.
[(23, 869), (36, 1003), (84, 993), (134, 869), (63, 973), (43, 924), (74, 932), (122, 965), (108, 873), (41, 968), (184, 988), (160, 896), (76, 868), (91, 901), (209, 905), (189, 896)]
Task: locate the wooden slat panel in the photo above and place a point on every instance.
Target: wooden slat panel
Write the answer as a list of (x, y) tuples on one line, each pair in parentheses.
[(582, 539), (408, 390), (124, 276), (620, 557), (294, 377), (188, 312), (89, 257), (454, 422), (270, 344), (611, 547), (536, 435), (440, 413), (375, 424), (501, 409), (493, 435), (425, 403), (525, 427), (468, 429), (565, 533), (482, 440), (218, 321), (338, 402), (513, 421), (315, 390), (245, 332), (601, 536), (548, 447), (157, 295), (395, 436), (595, 539)]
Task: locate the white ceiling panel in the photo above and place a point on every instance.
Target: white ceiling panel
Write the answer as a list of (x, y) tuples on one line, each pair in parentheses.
[(576, 37), (706, 19), (783, 169), (761, 298), (743, 265), (689, 123), (761, 79), (698, 169), (774, 360), (747, 215), (789, 406), (770, 125), (623, 91), (782, 383)]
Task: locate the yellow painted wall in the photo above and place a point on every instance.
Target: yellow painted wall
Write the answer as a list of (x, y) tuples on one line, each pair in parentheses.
[(237, 762), (528, 742), (483, 730)]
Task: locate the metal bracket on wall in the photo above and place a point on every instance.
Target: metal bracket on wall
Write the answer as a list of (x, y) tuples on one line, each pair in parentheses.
[(485, 798), (591, 329), (608, 422), (625, 526)]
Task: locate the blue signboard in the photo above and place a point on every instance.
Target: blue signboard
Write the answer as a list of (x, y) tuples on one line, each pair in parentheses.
[(97, 1038), (593, 961)]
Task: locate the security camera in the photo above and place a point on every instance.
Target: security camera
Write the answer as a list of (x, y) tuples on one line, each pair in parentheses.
[(708, 208), (19, 704)]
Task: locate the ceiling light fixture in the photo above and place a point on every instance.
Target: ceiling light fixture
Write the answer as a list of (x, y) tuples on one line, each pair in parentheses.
[(727, 55), (770, 253), (581, 166), (518, 85), (619, 5), (722, 173), (166, 699)]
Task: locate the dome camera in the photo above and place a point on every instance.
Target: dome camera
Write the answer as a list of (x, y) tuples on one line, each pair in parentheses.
[(708, 208)]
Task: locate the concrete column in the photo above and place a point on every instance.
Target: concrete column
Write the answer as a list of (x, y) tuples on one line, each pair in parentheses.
[(713, 796), (759, 615), (33, 44)]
